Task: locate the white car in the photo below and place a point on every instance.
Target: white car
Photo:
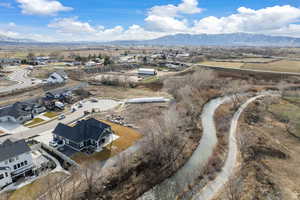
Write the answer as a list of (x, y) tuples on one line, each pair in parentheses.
[(61, 117), (53, 144)]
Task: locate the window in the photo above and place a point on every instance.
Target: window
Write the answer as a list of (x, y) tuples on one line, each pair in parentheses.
[(25, 162), (19, 165), (6, 174), (15, 167), (1, 176), (22, 164)]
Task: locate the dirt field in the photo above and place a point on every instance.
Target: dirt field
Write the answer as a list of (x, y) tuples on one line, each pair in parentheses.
[(279, 66), (236, 65), (270, 156)]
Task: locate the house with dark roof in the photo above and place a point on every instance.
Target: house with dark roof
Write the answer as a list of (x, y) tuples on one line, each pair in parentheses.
[(88, 134), (20, 112), (15, 161)]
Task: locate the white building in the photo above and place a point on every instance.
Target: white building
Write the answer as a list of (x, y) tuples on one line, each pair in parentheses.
[(15, 161), (147, 72), (57, 77)]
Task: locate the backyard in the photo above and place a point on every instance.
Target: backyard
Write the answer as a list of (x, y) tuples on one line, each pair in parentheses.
[(127, 138)]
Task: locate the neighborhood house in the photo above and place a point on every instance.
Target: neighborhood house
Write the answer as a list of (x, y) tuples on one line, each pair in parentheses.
[(85, 135), (20, 112), (15, 161), (57, 77)]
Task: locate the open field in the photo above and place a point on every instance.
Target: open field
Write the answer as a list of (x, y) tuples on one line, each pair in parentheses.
[(127, 138), (236, 65), (278, 66), (36, 188)]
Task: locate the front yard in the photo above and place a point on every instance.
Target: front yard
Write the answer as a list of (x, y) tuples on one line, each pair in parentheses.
[(127, 138), (51, 114), (34, 121)]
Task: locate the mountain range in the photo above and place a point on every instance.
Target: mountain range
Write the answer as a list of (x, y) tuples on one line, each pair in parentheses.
[(234, 39)]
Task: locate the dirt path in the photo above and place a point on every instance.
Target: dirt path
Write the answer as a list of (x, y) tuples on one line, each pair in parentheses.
[(215, 186)]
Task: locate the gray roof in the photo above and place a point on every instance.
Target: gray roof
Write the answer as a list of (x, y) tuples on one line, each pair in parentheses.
[(11, 149), (84, 130), (16, 110)]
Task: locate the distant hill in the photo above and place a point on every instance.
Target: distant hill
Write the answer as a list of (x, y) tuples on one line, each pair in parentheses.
[(5, 39), (234, 39)]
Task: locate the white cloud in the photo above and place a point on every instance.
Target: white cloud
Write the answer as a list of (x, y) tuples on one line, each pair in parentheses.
[(72, 25), (6, 5), (11, 34), (248, 20), (167, 17), (42, 7)]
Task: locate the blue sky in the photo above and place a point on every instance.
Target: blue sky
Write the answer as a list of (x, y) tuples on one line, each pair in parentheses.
[(99, 20)]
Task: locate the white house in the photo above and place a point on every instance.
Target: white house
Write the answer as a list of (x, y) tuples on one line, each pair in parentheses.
[(15, 161), (57, 77)]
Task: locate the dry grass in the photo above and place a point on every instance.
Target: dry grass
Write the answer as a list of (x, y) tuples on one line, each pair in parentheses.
[(123, 93), (279, 66), (236, 65), (127, 138), (38, 187)]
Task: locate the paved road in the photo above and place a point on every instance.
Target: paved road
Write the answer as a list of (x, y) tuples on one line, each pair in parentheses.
[(23, 81), (101, 105)]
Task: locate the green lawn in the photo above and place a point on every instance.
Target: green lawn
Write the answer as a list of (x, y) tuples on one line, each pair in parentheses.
[(35, 121), (51, 114)]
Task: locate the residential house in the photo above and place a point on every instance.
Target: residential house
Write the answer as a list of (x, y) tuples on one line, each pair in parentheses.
[(57, 77), (85, 135), (20, 112), (15, 161)]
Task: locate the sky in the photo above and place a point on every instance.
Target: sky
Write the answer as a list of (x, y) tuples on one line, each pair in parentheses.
[(102, 20)]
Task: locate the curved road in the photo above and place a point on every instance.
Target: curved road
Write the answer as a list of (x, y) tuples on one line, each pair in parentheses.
[(215, 186), (185, 175), (23, 81)]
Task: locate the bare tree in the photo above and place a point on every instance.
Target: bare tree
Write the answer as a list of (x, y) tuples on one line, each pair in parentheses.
[(234, 188)]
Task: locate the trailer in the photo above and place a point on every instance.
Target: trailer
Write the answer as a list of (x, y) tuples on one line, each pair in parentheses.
[(147, 72)]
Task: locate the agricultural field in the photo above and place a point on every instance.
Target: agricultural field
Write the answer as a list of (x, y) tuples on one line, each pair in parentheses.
[(236, 65), (278, 66)]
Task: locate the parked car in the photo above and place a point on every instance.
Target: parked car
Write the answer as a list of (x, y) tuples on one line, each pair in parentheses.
[(53, 144), (94, 100), (60, 117)]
